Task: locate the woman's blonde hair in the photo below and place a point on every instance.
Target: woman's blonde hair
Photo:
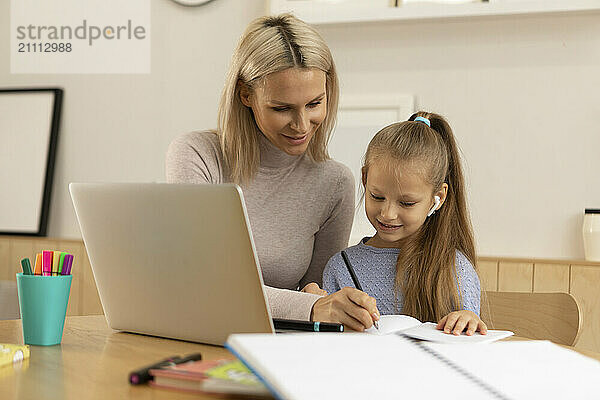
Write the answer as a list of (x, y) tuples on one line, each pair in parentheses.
[(425, 271), (271, 44)]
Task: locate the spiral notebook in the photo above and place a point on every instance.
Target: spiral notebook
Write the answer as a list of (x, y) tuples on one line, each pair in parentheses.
[(356, 366)]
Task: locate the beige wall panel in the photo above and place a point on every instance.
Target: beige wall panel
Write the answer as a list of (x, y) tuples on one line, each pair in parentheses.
[(5, 267), (40, 245), (488, 274), (90, 300), (515, 277), (551, 278), (585, 284), (19, 249), (75, 248)]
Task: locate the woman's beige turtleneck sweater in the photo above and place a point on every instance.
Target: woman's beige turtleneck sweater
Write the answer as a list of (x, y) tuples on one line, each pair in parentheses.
[(300, 212)]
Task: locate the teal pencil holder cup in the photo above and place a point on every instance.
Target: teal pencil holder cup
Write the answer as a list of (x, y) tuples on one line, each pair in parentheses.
[(43, 302)]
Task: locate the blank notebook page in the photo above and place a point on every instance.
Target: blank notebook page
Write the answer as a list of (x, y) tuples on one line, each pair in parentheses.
[(428, 331), (528, 369), (390, 324), (350, 366)]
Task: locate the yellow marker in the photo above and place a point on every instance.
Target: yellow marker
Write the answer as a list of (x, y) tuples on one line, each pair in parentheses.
[(55, 262), (13, 353)]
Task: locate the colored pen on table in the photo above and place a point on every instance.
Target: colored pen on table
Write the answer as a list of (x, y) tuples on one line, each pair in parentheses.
[(26, 264), (308, 326), (355, 279), (142, 375)]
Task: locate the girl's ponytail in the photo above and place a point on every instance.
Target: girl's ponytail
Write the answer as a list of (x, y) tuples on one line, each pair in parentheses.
[(425, 272), (456, 198)]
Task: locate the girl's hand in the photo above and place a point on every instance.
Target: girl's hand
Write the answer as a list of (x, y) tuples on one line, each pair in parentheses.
[(349, 306), (457, 321), (314, 289)]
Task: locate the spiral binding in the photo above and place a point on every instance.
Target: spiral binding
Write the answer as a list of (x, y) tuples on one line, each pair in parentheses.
[(495, 393)]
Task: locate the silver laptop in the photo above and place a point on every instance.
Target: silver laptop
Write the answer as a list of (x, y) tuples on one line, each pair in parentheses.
[(173, 260)]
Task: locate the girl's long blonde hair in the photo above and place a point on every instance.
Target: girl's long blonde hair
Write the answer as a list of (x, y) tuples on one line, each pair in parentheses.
[(426, 272), (271, 44)]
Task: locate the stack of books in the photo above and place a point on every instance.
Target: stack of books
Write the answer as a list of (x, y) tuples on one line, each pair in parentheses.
[(225, 376)]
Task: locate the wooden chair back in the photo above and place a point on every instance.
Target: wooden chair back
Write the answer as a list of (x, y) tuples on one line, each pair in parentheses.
[(548, 316)]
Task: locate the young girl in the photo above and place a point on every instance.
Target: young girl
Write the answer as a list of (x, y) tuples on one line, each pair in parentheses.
[(421, 260)]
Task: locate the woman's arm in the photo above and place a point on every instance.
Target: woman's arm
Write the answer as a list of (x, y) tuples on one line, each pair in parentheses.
[(330, 239), (194, 158), (351, 307), (333, 235), (290, 304)]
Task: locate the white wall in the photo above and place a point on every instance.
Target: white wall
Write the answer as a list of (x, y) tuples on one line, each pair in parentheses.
[(116, 128), (521, 93)]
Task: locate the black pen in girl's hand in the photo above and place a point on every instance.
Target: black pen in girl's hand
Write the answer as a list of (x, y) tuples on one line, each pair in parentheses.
[(355, 279)]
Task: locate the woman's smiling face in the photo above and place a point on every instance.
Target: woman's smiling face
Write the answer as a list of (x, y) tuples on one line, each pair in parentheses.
[(289, 106)]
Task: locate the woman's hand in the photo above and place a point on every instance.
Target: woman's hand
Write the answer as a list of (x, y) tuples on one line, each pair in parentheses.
[(351, 307), (314, 289), (457, 321)]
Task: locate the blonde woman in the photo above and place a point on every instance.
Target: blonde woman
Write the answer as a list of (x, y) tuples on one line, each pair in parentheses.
[(277, 110)]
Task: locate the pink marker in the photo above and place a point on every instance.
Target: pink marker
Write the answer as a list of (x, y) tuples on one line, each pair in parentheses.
[(47, 263), (67, 264)]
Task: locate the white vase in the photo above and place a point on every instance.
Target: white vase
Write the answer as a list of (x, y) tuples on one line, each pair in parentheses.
[(591, 234)]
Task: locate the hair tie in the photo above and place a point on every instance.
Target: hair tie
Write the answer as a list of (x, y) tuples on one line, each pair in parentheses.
[(423, 120)]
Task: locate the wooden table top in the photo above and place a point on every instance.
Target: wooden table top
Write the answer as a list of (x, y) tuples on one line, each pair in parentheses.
[(93, 362)]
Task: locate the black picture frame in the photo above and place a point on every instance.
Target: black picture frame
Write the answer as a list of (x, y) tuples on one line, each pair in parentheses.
[(50, 158)]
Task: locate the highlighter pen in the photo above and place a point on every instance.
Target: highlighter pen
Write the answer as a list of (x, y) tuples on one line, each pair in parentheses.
[(308, 326), (67, 264), (55, 260), (26, 264), (47, 263), (38, 264), (355, 279), (61, 260)]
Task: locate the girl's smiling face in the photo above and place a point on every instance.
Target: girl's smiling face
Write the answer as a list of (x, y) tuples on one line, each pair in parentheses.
[(289, 106), (397, 200)]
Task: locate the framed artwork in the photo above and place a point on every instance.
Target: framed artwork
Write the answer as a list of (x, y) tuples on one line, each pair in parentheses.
[(29, 136)]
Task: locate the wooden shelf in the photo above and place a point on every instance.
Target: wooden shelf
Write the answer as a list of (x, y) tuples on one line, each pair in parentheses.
[(319, 12)]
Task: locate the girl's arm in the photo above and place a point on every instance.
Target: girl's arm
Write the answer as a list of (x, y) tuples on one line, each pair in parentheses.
[(456, 322), (468, 282), (330, 282), (470, 290)]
